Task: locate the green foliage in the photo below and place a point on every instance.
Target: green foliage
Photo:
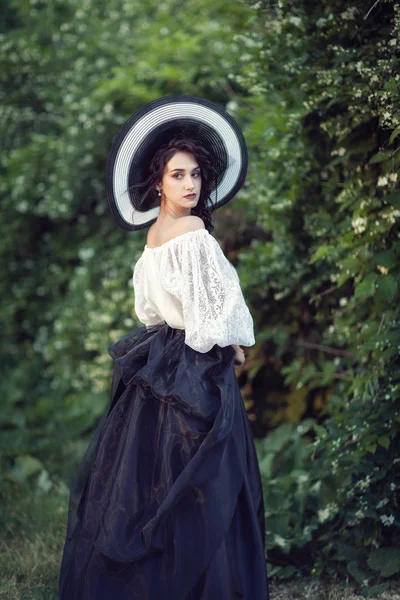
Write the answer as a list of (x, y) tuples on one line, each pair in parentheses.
[(316, 88), (323, 86), (328, 505)]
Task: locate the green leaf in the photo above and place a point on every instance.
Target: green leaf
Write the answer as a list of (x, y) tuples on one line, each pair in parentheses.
[(346, 551), (380, 157), (394, 135), (384, 441), (320, 253), (386, 287), (366, 287), (24, 467), (287, 572), (386, 560), (393, 199), (386, 259), (372, 448), (376, 590), (278, 525), (359, 575)]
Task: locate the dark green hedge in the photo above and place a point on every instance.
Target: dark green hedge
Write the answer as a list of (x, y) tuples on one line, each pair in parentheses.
[(314, 235)]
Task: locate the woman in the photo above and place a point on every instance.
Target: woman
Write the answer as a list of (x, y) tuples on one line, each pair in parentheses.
[(167, 503)]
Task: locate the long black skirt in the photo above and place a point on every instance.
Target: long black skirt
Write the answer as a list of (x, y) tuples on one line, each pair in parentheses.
[(167, 503)]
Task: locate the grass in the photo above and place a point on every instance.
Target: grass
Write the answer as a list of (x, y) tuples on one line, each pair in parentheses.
[(32, 536), (33, 525)]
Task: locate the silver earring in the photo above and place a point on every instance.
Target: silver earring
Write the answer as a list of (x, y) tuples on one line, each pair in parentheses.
[(159, 192)]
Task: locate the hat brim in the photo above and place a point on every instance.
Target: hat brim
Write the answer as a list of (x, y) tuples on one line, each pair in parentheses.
[(149, 128)]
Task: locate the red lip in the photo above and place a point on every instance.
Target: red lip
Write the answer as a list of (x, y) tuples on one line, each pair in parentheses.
[(190, 196)]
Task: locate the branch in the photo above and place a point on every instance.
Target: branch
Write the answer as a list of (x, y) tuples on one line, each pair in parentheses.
[(323, 348), (371, 9)]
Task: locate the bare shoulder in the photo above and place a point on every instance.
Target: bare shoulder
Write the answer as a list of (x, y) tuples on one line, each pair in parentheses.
[(157, 236), (189, 223)]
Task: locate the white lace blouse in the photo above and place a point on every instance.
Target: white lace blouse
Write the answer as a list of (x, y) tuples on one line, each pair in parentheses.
[(189, 283)]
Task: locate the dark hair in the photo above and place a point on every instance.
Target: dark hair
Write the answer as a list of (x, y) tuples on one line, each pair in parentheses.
[(208, 174)]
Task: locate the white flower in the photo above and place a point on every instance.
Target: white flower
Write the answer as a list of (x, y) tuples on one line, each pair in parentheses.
[(387, 520), (382, 503), (232, 106), (359, 224), (393, 176), (22, 206), (363, 484), (323, 515), (383, 270), (382, 181), (278, 539), (104, 319), (124, 28), (86, 253), (296, 21), (350, 13)]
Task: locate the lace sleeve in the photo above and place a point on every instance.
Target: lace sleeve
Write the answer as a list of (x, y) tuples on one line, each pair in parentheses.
[(196, 271)]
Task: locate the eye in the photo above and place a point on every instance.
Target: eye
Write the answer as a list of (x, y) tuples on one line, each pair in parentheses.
[(179, 175)]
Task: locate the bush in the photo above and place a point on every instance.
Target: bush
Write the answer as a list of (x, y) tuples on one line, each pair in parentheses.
[(323, 119)]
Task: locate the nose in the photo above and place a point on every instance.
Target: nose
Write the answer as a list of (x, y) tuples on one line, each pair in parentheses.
[(189, 183)]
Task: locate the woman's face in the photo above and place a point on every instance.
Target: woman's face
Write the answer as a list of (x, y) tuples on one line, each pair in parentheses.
[(181, 182)]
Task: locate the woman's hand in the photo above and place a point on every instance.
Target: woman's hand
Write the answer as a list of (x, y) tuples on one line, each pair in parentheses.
[(239, 356)]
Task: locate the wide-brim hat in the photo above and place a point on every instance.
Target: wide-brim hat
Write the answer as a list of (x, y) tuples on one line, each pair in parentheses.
[(152, 126)]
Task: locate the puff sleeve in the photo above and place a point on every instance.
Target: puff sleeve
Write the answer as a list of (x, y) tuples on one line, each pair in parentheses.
[(196, 271)]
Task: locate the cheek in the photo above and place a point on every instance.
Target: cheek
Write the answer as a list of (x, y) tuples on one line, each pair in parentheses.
[(170, 183)]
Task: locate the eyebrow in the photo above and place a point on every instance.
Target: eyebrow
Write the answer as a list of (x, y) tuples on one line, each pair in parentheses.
[(194, 168)]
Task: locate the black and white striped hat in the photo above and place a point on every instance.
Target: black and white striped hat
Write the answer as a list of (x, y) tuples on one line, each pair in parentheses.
[(154, 125)]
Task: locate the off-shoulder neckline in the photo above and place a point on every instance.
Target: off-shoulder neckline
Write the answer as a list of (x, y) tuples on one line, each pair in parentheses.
[(177, 237)]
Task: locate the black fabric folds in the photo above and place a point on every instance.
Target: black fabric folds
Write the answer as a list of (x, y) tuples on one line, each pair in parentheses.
[(167, 502)]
